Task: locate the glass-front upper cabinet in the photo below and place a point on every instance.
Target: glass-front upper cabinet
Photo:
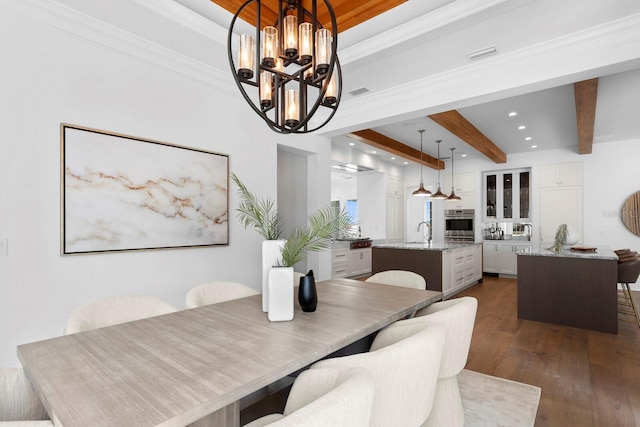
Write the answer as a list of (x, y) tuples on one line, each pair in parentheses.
[(506, 194)]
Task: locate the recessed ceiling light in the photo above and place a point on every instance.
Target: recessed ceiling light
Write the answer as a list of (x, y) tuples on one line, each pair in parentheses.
[(534, 146), (463, 155), (521, 127), (513, 113), (406, 163), (352, 144), (528, 138), (374, 152), (393, 158)]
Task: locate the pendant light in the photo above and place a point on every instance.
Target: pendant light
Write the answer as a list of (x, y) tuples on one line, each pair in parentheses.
[(438, 195), (453, 196), (421, 191)]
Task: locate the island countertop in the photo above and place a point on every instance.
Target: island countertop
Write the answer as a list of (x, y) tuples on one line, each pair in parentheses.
[(601, 252), (431, 246)]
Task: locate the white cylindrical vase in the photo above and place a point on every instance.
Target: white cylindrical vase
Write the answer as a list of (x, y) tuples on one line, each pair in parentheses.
[(271, 256), (280, 294)]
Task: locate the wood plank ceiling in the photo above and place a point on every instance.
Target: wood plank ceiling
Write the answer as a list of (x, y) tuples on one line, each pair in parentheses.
[(350, 13)]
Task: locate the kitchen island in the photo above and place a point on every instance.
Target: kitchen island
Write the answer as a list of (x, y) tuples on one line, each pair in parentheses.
[(447, 267), (570, 288)]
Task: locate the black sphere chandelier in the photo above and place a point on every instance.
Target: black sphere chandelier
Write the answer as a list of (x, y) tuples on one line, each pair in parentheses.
[(292, 72)]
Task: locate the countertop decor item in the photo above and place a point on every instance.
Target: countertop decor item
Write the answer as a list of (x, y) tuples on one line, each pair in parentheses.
[(561, 238), (280, 294), (307, 294), (288, 70), (262, 215)]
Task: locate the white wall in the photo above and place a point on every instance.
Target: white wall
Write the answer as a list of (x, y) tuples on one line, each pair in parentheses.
[(52, 76)]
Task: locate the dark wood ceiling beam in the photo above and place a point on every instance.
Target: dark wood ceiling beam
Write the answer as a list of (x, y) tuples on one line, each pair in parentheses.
[(586, 95), (383, 142), (455, 123), (348, 13)]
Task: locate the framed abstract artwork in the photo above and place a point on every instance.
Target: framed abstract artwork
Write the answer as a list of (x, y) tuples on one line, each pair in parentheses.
[(122, 193)]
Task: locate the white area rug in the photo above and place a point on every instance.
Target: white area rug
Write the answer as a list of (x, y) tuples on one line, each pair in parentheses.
[(493, 401)]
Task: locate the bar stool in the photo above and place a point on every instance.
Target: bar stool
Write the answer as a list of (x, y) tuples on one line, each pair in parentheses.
[(628, 272)]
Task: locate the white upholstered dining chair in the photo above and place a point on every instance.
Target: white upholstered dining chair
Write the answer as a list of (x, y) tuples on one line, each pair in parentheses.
[(217, 291), (407, 279), (326, 397), (457, 316), (404, 363), (111, 311), (19, 404)]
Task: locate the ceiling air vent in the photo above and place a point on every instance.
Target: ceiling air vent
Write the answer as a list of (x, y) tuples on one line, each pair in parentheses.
[(481, 53), (349, 167), (359, 91)]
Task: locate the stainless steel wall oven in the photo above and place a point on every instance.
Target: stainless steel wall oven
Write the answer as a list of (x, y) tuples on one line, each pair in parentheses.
[(459, 225)]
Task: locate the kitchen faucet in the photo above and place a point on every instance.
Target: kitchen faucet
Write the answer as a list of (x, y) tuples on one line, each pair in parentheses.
[(528, 226), (426, 225)]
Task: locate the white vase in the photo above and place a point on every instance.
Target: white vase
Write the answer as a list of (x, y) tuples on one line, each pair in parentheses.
[(270, 256), (280, 294), (572, 237)]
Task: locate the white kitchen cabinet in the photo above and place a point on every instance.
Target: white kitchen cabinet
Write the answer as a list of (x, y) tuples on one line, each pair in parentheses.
[(462, 183), (468, 201), (561, 175), (506, 195), (501, 257), (359, 262), (507, 260), (395, 211), (339, 262), (395, 223), (395, 185), (447, 271), (560, 199), (477, 262), (490, 257), (559, 205), (460, 268)]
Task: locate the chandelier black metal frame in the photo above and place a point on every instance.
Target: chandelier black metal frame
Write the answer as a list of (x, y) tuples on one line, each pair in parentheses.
[(293, 71)]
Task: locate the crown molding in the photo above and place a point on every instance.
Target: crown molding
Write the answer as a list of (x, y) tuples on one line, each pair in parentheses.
[(87, 28), (440, 17), (603, 49)]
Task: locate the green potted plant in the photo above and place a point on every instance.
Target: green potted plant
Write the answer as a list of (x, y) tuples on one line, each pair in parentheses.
[(262, 215)]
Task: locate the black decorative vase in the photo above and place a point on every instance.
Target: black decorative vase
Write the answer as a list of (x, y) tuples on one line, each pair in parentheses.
[(307, 294)]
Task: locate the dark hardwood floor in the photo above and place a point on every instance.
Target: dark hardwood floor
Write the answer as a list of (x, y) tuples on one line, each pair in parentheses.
[(587, 378)]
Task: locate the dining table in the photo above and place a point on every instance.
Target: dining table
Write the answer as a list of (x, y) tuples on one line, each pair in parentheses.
[(195, 365)]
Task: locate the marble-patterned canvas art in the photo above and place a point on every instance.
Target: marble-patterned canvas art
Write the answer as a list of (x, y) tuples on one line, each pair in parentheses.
[(126, 193)]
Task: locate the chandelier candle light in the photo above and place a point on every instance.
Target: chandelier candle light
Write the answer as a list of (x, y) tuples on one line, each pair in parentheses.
[(292, 73), (421, 191)]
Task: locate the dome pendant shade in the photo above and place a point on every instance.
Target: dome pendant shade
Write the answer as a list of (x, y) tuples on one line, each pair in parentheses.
[(296, 53), (438, 195), (421, 191), (453, 196)]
